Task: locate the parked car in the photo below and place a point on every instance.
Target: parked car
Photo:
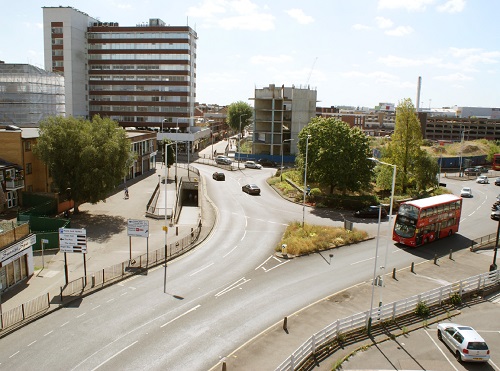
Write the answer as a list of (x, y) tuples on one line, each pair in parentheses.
[(251, 189), (252, 165), (223, 160), (481, 169), (465, 343), (472, 171), (264, 162), (495, 215), (218, 176), (482, 179), (370, 212), (466, 192), (497, 181)]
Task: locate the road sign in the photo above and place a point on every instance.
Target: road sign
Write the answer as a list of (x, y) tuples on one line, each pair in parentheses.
[(138, 228), (73, 240)]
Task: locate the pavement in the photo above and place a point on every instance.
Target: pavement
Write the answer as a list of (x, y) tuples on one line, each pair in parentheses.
[(108, 244)]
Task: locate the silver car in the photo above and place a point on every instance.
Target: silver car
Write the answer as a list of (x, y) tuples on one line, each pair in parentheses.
[(464, 342)]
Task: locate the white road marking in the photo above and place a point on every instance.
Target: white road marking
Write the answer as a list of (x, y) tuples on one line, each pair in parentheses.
[(48, 333), (230, 251), (245, 232), (276, 266), (241, 281), (265, 261), (201, 269), (110, 300), (14, 354), (64, 324), (96, 307), (81, 315), (113, 356), (365, 260), (444, 355), (125, 293), (179, 316), (33, 342)]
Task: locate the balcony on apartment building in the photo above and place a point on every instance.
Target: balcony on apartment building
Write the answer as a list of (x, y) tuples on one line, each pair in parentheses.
[(14, 184)]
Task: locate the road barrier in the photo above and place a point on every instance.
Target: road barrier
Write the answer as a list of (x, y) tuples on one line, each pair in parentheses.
[(337, 330), (24, 311)]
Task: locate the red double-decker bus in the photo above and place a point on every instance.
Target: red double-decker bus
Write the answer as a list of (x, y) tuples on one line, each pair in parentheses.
[(495, 163), (421, 221)]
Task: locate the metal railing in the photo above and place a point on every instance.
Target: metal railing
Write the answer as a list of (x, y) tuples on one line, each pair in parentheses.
[(483, 242), (386, 312), (24, 311)]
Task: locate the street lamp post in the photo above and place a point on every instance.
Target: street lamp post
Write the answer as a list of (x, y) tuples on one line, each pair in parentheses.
[(239, 141), (281, 169), (305, 185), (166, 223), (375, 269), (389, 226)]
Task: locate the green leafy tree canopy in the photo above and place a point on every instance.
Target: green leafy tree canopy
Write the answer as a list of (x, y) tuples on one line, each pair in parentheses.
[(337, 155), (238, 110), (86, 158)]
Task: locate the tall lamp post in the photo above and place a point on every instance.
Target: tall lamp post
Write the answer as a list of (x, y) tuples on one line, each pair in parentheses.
[(281, 169), (389, 225), (165, 228), (305, 185), (374, 269), (239, 141)]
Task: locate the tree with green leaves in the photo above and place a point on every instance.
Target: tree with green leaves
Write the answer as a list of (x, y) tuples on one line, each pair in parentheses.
[(86, 158), (404, 148), (337, 155), (239, 111)]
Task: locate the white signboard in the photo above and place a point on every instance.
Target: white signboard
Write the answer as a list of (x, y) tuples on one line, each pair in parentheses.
[(138, 228), (73, 240)]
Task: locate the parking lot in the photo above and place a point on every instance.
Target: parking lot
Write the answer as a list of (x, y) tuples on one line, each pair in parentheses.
[(421, 349)]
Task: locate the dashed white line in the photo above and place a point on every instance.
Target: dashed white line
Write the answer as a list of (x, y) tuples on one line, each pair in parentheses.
[(125, 293), (14, 354), (181, 315), (81, 315), (113, 356), (64, 324), (201, 269), (48, 333), (96, 307), (33, 342), (230, 251), (110, 300), (364, 260)]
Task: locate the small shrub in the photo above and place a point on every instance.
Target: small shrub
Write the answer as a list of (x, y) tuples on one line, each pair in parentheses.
[(455, 299), (422, 309), (341, 338), (405, 330)]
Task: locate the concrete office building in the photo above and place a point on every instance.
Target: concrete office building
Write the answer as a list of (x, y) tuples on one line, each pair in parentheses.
[(29, 94), (140, 76), (280, 113)]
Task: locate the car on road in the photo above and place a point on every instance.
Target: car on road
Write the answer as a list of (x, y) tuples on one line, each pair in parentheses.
[(482, 179), (481, 169), (251, 189), (472, 171), (495, 215), (370, 212), (465, 343), (497, 181), (218, 176), (252, 165), (264, 162), (466, 192), (223, 160)]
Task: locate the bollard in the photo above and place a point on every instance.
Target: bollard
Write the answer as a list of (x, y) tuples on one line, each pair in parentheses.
[(223, 366), (412, 267), (61, 294), (93, 281), (451, 253), (176, 231), (435, 258), (285, 324), (394, 273), (192, 232)]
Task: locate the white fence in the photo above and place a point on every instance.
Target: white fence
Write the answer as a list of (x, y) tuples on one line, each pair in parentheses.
[(387, 312)]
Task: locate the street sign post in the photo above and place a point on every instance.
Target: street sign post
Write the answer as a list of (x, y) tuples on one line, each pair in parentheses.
[(138, 228), (73, 240)]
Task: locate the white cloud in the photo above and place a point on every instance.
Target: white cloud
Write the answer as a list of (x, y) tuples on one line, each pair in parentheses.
[(409, 5), (270, 60), (232, 15), (300, 16), (454, 77), (394, 61), (452, 6), (360, 27), (399, 31), (383, 22)]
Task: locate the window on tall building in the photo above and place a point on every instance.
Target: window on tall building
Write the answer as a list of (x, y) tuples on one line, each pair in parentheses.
[(29, 168), (27, 146)]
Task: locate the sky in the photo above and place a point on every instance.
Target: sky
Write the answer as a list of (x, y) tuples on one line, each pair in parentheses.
[(352, 52)]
